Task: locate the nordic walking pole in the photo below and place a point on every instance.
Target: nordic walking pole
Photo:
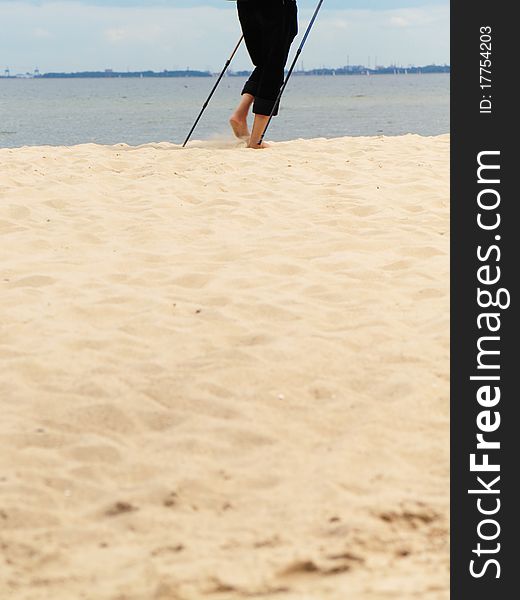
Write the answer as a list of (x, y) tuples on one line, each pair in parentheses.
[(213, 91), (298, 52)]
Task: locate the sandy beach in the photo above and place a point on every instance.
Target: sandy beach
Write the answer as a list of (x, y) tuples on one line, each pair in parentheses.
[(224, 373)]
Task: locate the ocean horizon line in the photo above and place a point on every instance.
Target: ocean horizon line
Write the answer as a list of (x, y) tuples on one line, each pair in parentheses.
[(323, 71)]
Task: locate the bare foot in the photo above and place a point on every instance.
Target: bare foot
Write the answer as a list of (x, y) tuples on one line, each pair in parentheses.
[(259, 127), (238, 119), (258, 146), (239, 126)]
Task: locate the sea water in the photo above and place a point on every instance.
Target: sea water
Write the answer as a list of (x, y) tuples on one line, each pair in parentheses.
[(138, 111)]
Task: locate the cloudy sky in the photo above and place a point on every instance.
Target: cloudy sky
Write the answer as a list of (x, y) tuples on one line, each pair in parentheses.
[(77, 35)]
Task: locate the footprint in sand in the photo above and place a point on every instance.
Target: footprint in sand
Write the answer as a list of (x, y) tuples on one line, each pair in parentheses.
[(421, 252), (363, 211), (18, 212), (33, 281), (194, 280), (399, 265)]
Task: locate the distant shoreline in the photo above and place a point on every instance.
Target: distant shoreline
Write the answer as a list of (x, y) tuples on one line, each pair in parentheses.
[(343, 71)]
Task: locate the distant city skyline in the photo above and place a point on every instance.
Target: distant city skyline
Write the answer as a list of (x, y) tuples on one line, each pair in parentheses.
[(324, 70), (81, 35)]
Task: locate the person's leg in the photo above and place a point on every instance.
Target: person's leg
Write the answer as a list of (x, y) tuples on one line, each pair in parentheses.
[(259, 125), (271, 25), (248, 13), (269, 28), (238, 119), (280, 27)]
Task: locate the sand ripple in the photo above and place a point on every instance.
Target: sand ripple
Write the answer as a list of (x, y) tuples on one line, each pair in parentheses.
[(225, 373)]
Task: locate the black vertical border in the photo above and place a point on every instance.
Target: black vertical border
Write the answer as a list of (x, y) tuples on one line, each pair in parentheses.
[(471, 133)]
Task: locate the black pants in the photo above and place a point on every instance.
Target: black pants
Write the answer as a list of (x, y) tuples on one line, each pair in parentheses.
[(269, 28)]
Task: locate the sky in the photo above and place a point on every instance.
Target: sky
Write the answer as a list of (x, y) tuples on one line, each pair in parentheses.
[(80, 35)]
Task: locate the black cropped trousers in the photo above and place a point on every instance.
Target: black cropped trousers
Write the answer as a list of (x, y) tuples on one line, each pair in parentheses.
[(269, 28)]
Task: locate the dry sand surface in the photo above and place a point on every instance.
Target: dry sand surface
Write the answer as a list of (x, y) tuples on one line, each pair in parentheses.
[(225, 372)]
